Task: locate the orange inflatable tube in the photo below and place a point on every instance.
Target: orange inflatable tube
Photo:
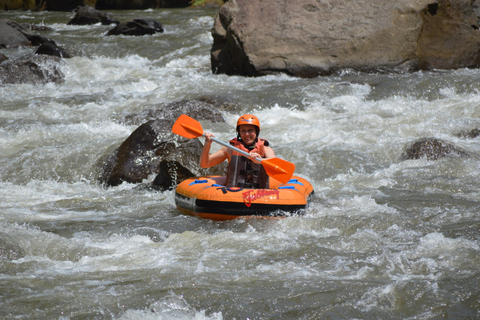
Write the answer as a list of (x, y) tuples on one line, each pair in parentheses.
[(207, 197)]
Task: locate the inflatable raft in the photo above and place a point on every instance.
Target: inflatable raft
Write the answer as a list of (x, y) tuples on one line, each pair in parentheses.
[(207, 197)]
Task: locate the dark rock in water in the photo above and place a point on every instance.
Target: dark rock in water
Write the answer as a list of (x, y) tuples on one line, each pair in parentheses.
[(87, 15), (51, 49), (140, 154), (154, 149), (474, 133), (432, 149), (36, 27), (37, 69), (137, 27)]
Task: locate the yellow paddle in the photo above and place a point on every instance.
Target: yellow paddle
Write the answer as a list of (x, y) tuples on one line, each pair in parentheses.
[(276, 168)]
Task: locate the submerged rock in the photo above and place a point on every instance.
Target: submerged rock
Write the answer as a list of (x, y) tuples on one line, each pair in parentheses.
[(137, 27), (432, 149), (51, 49), (37, 69), (472, 134)]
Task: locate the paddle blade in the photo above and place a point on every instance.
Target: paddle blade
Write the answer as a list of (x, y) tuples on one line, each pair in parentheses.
[(279, 169), (187, 127)]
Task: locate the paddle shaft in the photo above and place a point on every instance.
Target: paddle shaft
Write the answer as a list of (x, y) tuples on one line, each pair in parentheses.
[(244, 153)]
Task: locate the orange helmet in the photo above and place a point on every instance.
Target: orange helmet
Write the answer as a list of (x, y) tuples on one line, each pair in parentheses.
[(249, 119)]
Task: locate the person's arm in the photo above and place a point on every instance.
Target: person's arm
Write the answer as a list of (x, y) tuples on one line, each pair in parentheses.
[(208, 160)]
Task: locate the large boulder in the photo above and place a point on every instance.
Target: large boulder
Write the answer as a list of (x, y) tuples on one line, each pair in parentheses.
[(153, 149), (137, 27), (308, 38)]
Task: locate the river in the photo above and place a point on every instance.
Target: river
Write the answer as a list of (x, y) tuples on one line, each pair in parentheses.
[(384, 238)]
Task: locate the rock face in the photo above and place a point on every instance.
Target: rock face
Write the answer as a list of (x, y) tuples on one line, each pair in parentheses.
[(308, 38)]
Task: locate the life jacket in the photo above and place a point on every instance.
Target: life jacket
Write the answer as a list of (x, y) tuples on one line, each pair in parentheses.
[(243, 172)]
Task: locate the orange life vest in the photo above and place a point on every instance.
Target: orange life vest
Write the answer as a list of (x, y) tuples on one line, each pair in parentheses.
[(243, 172)]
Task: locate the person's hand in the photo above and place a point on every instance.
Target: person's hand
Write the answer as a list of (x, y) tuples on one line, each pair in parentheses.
[(208, 137), (255, 155)]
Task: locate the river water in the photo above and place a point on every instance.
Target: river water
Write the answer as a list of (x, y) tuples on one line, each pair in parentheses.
[(384, 238)]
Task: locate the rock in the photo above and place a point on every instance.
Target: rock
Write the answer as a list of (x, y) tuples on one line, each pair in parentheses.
[(36, 69), (308, 38), (14, 34), (170, 174), (141, 154), (88, 15), (52, 49), (10, 37), (472, 134), (432, 149), (449, 37), (137, 27), (154, 149)]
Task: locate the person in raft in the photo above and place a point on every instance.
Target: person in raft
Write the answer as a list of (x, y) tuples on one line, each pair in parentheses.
[(242, 172)]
